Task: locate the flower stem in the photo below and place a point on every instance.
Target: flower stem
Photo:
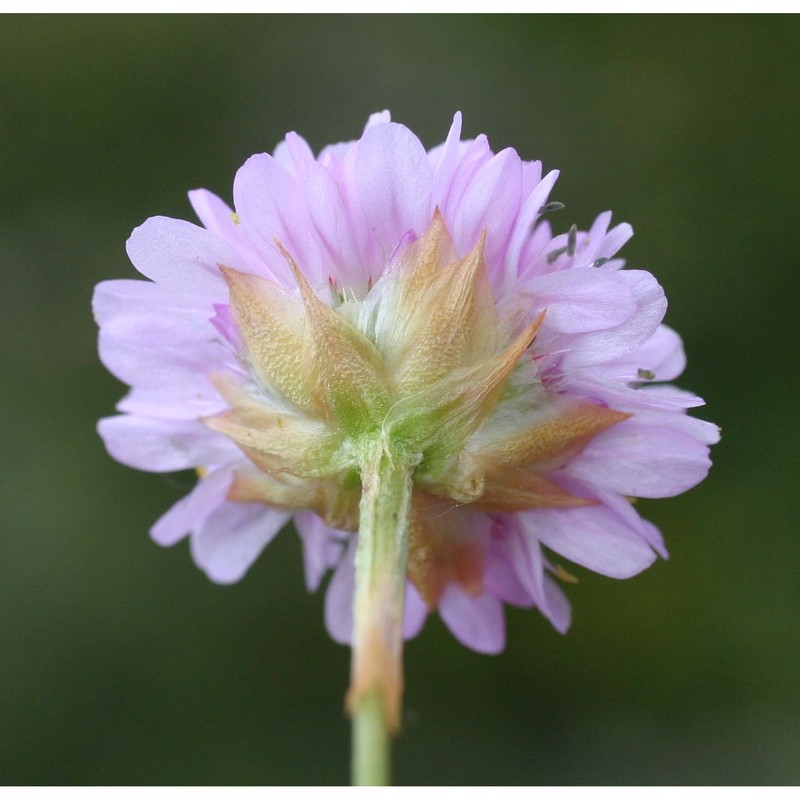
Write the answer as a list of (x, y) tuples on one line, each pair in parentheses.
[(376, 679)]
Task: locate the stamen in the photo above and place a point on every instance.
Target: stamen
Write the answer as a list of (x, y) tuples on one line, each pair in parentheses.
[(572, 240), (553, 205)]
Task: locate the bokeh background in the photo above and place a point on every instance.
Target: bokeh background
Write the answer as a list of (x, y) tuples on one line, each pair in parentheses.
[(121, 663)]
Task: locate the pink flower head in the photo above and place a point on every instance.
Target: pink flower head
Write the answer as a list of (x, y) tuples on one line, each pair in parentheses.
[(380, 287)]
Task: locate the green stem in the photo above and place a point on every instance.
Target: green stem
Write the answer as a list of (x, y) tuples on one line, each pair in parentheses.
[(371, 762), (377, 670)]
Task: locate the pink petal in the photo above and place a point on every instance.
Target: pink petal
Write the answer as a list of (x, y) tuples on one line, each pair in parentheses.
[(190, 512), (169, 403), (378, 118), (490, 202), (443, 161), (186, 257), (271, 206), (415, 612), (233, 537), (346, 257), (592, 536), (662, 355), (640, 459), (472, 155), (393, 182), (157, 445), (605, 345), (477, 622), (582, 299), (322, 547), (556, 606), (339, 597), (125, 298), (528, 214), (502, 573), (294, 153), (157, 350)]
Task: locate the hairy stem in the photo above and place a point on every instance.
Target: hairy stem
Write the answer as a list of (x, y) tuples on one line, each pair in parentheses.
[(376, 679)]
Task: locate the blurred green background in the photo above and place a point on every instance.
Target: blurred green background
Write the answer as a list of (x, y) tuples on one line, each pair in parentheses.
[(121, 663)]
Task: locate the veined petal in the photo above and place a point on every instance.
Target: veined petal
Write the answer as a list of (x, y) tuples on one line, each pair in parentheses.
[(271, 205), (178, 254), (642, 460), (529, 213), (583, 299), (154, 349), (393, 181), (491, 201), (660, 358), (444, 160), (592, 536), (128, 298), (596, 347)]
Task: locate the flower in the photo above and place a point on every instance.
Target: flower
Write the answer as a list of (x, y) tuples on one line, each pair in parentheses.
[(379, 290)]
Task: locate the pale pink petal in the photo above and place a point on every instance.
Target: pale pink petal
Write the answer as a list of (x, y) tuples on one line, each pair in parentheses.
[(171, 403), (233, 537), (472, 155), (339, 597), (393, 181), (190, 512), (502, 573), (322, 547), (556, 606), (272, 208), (490, 202), (477, 622), (378, 118), (294, 153), (604, 345), (443, 161), (156, 350), (639, 459), (415, 612), (581, 300), (660, 358), (183, 256), (127, 298), (592, 536), (219, 218), (529, 213), (156, 445), (593, 384), (345, 260)]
